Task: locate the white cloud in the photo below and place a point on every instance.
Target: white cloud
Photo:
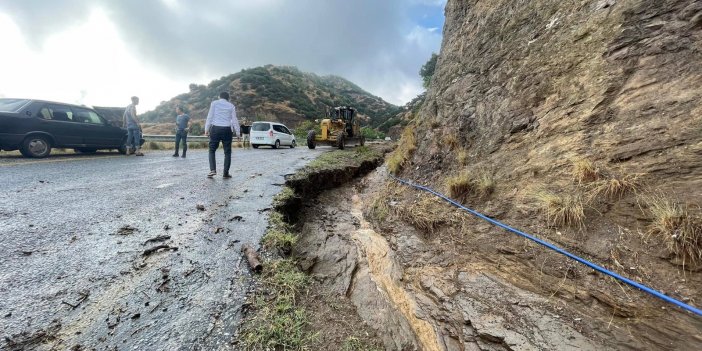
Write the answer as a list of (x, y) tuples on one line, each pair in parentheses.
[(86, 64), (154, 49)]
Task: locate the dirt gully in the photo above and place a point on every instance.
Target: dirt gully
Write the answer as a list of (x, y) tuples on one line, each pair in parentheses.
[(427, 290)]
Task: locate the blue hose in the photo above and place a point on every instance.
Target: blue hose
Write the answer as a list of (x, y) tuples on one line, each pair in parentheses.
[(557, 249)]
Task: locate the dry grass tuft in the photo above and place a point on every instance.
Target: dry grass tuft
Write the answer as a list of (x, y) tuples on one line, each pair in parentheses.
[(460, 186), (462, 157), (467, 184), (381, 206), (562, 210), (681, 231), (485, 184), (424, 213), (421, 210), (405, 150), (451, 141), (585, 171), (615, 186)]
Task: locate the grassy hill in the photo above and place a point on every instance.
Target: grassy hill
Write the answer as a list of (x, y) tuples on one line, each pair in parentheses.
[(278, 93)]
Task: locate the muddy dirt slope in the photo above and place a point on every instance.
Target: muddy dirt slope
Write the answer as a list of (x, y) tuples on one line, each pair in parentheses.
[(579, 122)]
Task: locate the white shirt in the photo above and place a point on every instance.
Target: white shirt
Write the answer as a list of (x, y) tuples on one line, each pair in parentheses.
[(222, 114)]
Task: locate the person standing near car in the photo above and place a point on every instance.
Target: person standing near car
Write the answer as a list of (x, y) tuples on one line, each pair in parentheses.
[(221, 125), (133, 128), (182, 121)]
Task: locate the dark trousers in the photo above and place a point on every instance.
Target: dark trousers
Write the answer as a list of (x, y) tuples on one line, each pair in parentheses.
[(223, 135), (181, 136)]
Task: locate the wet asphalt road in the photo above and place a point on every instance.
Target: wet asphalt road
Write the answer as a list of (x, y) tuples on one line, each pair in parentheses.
[(69, 276)]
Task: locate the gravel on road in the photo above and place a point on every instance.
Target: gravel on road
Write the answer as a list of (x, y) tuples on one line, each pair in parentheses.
[(80, 256)]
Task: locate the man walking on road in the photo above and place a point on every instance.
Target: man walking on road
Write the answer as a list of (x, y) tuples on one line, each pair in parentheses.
[(133, 128), (182, 121), (220, 126)]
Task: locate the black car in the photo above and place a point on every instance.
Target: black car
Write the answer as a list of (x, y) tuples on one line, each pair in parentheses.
[(35, 126)]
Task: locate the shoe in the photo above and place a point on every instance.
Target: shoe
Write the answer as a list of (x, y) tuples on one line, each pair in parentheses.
[(182, 156), (138, 153), (175, 155), (227, 176), (211, 174), (131, 151)]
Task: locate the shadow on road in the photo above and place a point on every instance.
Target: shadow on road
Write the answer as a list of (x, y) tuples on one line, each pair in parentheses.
[(15, 155)]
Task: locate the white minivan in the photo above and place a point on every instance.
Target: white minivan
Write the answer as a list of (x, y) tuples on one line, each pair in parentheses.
[(272, 134)]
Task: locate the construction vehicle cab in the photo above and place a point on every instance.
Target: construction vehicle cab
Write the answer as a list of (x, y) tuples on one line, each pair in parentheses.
[(339, 129)]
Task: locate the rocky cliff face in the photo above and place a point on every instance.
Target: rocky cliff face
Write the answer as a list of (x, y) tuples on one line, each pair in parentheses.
[(615, 80), (525, 93)]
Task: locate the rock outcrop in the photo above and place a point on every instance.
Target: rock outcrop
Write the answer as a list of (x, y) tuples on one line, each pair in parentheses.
[(523, 89), (617, 81)]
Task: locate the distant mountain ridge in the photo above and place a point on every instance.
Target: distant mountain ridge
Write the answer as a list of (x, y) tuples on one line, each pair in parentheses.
[(282, 93)]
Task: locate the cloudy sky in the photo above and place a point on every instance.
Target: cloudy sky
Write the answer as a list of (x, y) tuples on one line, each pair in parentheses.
[(101, 52)]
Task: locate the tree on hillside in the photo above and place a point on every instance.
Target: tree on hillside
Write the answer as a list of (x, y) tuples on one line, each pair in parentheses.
[(427, 70)]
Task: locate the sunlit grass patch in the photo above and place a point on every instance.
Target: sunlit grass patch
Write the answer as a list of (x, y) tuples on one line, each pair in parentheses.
[(404, 151), (614, 186), (278, 322)]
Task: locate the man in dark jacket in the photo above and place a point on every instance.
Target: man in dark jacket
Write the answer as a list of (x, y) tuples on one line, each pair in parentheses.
[(182, 121)]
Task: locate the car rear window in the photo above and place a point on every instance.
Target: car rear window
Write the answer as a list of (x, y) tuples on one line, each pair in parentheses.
[(12, 105), (261, 127)]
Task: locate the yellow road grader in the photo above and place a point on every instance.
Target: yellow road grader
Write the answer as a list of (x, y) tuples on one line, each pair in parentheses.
[(339, 129)]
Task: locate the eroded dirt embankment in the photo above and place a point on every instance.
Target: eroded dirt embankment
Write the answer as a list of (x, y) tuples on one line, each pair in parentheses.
[(426, 289), (414, 294)]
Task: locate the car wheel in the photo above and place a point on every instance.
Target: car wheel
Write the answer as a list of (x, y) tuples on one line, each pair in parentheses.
[(36, 146), (311, 142), (122, 149), (292, 146), (342, 141), (277, 144), (255, 146), (83, 150)]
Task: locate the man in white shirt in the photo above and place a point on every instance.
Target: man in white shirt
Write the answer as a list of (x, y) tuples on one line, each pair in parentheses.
[(221, 125)]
